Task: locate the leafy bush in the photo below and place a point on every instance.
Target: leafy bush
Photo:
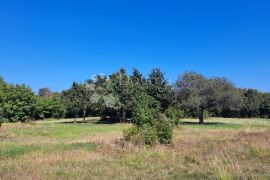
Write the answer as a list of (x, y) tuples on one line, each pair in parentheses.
[(164, 130), (18, 103), (174, 114), (150, 127), (52, 107), (150, 136), (145, 117), (141, 136)]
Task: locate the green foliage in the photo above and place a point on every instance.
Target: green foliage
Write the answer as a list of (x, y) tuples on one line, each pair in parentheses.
[(151, 137), (78, 99), (196, 92), (18, 103), (175, 115), (145, 117), (123, 89), (125, 97), (164, 129), (52, 107), (158, 88), (265, 106), (2, 89), (206, 114), (141, 136), (251, 103), (150, 127)]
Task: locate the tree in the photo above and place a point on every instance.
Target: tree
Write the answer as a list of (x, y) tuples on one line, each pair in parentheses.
[(19, 103), (265, 106), (45, 93), (122, 88), (159, 88), (78, 99), (52, 107), (251, 103), (2, 89), (104, 99), (200, 94)]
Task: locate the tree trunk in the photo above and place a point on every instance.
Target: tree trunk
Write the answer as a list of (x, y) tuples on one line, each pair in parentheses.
[(201, 118), (84, 114), (124, 115)]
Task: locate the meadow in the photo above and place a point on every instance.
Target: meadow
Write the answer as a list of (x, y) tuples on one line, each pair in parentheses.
[(64, 149)]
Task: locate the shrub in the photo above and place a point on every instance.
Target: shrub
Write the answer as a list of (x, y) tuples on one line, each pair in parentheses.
[(145, 117), (131, 135), (164, 130), (150, 136), (150, 127), (141, 136), (174, 114)]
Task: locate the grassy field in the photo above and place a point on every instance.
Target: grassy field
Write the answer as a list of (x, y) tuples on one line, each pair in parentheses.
[(61, 149)]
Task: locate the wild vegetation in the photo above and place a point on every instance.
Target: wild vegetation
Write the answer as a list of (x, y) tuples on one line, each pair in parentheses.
[(120, 95), (144, 128), (152, 104), (62, 149)]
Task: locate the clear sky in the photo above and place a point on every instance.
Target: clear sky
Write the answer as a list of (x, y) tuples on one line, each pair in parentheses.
[(50, 43)]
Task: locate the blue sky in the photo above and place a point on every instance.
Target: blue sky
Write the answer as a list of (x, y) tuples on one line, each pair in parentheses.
[(52, 43)]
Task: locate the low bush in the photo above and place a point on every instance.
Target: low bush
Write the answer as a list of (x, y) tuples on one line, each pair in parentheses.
[(175, 115), (164, 130), (141, 136), (150, 128)]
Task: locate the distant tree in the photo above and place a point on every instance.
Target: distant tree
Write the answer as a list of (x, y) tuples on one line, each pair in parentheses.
[(265, 105), (159, 88), (140, 97), (78, 99), (104, 99), (53, 107), (2, 89), (122, 88), (45, 93), (201, 94), (137, 78), (251, 103)]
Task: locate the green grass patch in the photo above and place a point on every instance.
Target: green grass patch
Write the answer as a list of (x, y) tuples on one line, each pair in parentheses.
[(11, 151), (61, 131)]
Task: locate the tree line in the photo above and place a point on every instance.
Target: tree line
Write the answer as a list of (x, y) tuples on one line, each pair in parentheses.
[(123, 97)]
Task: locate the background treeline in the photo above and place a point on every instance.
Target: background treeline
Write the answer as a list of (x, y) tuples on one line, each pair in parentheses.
[(120, 96)]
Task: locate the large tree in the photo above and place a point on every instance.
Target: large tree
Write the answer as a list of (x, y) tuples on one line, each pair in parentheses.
[(252, 100), (122, 88), (199, 93), (52, 107), (18, 103), (159, 88), (78, 99), (2, 88)]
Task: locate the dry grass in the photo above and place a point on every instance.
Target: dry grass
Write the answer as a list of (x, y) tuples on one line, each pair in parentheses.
[(214, 151)]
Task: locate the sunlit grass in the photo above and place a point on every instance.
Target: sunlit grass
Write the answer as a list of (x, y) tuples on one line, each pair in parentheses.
[(60, 149)]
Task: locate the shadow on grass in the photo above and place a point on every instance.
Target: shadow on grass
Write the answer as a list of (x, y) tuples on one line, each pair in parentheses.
[(77, 122), (108, 120), (188, 123)]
